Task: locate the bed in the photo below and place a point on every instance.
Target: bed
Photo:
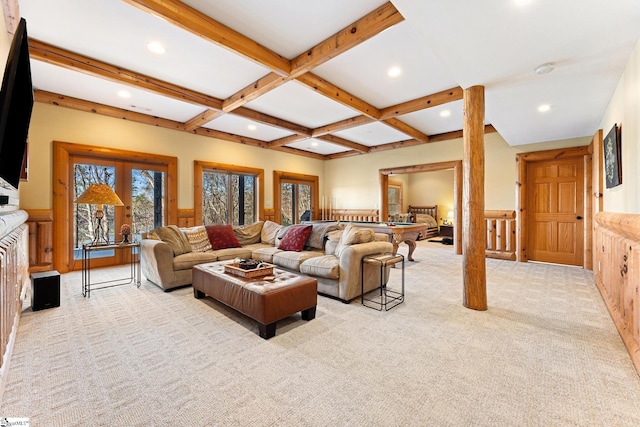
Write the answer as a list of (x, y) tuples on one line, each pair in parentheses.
[(427, 215)]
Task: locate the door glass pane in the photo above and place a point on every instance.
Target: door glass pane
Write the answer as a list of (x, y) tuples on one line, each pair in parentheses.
[(243, 199), (304, 203), (85, 230), (215, 197), (147, 198), (287, 202)]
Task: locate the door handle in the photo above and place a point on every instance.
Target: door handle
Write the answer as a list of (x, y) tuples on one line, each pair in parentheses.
[(578, 217)]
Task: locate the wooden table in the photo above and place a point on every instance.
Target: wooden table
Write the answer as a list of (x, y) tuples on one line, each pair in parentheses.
[(406, 232)]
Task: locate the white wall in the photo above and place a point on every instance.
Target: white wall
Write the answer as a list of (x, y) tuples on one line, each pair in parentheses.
[(433, 188), (50, 123), (624, 109)]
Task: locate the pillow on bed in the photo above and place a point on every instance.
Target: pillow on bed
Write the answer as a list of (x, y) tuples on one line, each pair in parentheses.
[(427, 219)]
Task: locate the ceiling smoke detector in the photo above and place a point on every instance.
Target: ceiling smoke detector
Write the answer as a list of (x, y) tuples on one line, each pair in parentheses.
[(545, 68)]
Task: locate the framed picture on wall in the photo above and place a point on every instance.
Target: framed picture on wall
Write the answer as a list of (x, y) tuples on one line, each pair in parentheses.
[(612, 165)]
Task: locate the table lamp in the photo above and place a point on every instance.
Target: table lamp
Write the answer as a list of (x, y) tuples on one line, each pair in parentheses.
[(99, 194), (450, 217)]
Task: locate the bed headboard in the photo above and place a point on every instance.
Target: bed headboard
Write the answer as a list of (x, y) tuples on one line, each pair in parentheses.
[(430, 210)]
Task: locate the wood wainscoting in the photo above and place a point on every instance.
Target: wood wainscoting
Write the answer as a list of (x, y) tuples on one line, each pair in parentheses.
[(186, 218), (501, 234), (40, 224), (14, 277), (617, 274)]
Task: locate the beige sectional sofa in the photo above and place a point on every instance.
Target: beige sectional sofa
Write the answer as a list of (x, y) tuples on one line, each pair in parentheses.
[(332, 255)]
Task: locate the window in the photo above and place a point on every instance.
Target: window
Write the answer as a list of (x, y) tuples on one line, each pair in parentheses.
[(227, 194), (296, 197)]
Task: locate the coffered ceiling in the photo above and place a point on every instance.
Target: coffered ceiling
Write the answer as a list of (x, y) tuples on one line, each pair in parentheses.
[(311, 77)]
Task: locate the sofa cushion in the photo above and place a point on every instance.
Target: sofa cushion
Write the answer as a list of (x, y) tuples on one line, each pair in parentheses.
[(295, 238), (231, 253), (222, 236), (188, 260), (292, 259), (198, 238), (327, 266), (270, 231), (248, 234), (319, 232), (265, 254), (175, 238), (352, 235)]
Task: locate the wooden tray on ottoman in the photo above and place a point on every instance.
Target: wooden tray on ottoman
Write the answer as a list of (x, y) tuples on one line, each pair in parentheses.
[(265, 270)]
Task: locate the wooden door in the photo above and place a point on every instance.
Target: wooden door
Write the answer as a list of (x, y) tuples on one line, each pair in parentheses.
[(555, 208)]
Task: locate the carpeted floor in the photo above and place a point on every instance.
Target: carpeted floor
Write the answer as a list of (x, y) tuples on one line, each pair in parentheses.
[(546, 353)]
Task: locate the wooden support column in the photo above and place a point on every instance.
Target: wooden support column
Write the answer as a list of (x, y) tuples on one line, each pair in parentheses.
[(474, 232)]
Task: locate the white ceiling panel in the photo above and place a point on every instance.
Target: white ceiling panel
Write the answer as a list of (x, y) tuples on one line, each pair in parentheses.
[(431, 120), (364, 68), (317, 146), (287, 27), (301, 105), (237, 125), (372, 134), (83, 86), (117, 33)]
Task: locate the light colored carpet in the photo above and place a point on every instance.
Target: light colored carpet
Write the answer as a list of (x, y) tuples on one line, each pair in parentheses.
[(546, 353)]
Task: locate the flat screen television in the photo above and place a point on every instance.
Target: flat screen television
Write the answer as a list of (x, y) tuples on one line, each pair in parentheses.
[(16, 104)]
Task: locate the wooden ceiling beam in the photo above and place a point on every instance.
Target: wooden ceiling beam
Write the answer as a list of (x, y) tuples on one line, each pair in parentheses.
[(342, 125), (272, 121), (254, 90), (406, 129), (203, 26), (287, 140), (398, 144), (63, 58), (201, 119), (298, 152), (212, 133), (361, 30), (345, 143), (444, 97), (104, 110), (333, 92)]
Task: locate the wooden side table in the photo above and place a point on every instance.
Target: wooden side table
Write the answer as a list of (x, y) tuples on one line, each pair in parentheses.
[(446, 231)]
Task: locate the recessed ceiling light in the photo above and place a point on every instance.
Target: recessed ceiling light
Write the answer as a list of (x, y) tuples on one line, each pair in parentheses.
[(314, 143), (522, 2), (545, 68), (156, 47), (544, 108), (124, 94), (252, 127), (394, 71), (445, 113)]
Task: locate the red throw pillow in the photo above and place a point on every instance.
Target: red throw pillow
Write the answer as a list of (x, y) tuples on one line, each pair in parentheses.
[(295, 238), (222, 237)]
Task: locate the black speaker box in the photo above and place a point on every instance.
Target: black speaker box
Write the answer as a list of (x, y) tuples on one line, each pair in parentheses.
[(45, 290)]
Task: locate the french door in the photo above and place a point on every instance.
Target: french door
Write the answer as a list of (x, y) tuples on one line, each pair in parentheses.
[(296, 197), (140, 186)]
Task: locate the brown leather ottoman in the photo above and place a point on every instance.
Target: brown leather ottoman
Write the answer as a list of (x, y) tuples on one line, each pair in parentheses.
[(264, 301)]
